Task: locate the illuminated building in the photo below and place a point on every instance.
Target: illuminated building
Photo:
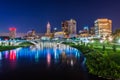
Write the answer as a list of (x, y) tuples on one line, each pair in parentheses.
[(12, 33), (59, 34), (103, 27), (69, 27), (48, 30), (4, 36), (31, 35), (86, 28), (92, 31), (84, 32)]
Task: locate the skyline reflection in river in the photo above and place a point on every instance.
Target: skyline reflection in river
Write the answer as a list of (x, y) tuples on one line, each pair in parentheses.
[(42, 59), (36, 54)]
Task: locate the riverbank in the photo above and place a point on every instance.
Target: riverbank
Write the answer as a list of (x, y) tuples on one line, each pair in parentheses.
[(101, 62), (3, 48), (25, 44)]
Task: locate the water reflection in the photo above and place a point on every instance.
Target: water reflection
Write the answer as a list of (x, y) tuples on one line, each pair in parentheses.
[(0, 56), (37, 57), (0, 60), (48, 53), (56, 54), (13, 55), (6, 54), (12, 58), (48, 59)]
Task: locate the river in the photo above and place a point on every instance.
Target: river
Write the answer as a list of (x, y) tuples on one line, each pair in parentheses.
[(45, 61)]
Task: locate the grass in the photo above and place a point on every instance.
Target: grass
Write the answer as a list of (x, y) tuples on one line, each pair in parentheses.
[(101, 61), (3, 48), (25, 44)]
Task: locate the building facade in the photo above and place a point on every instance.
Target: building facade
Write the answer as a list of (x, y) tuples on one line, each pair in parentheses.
[(48, 32), (92, 31), (69, 27), (12, 33), (84, 32), (31, 33), (103, 27), (59, 34)]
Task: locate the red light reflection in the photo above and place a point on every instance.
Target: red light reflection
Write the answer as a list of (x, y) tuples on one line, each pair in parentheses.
[(48, 59), (12, 55)]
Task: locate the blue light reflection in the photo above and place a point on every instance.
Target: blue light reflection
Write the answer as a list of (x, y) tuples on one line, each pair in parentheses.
[(47, 54)]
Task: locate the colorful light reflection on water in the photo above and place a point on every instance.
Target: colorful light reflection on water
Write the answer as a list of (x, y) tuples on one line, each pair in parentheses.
[(37, 55)]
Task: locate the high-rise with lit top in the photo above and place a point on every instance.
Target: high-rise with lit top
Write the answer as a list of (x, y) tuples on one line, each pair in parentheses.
[(12, 33)]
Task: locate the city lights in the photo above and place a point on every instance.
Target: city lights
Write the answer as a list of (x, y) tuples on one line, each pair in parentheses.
[(119, 41), (101, 41), (92, 41), (12, 29), (60, 39), (110, 39)]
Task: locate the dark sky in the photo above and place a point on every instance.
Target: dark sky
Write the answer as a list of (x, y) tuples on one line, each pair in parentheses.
[(35, 14)]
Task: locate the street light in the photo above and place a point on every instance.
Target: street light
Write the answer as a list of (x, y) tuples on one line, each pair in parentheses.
[(101, 41), (119, 41), (92, 41), (55, 29), (110, 39)]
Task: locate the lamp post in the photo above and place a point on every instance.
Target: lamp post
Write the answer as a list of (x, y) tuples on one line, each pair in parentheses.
[(55, 29), (102, 41)]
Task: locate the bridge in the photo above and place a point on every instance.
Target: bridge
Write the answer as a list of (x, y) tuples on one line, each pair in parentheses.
[(17, 42), (34, 42)]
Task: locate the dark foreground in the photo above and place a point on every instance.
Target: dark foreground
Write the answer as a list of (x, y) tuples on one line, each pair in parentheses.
[(50, 73), (32, 63), (39, 72)]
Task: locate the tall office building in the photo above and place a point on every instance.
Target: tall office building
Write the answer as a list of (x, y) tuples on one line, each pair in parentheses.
[(69, 27), (103, 27), (48, 28), (92, 31), (12, 33), (31, 33)]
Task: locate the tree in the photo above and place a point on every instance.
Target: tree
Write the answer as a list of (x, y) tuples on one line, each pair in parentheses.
[(116, 34), (114, 48), (103, 47)]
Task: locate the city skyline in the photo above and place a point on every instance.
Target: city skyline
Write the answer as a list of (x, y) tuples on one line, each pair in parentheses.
[(35, 14)]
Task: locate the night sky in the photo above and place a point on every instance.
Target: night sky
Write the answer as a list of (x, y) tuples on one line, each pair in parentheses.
[(35, 14)]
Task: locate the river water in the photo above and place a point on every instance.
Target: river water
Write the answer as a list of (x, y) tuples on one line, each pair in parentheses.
[(44, 61)]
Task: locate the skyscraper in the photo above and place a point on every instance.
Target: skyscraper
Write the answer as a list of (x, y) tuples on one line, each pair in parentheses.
[(69, 27), (103, 27), (48, 28), (12, 33), (48, 31)]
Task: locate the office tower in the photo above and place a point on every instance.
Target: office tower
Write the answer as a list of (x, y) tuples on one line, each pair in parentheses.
[(12, 33), (103, 27), (48, 29), (69, 27)]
